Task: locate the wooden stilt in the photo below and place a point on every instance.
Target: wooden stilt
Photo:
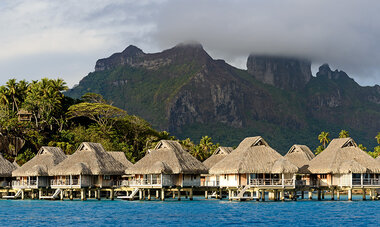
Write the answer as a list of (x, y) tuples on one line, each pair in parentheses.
[(162, 194), (263, 195), (302, 194), (323, 194), (179, 194), (32, 194), (332, 194), (39, 193), (112, 194), (350, 194), (310, 194), (206, 196), (71, 194), (148, 194), (338, 194), (22, 194), (83, 194), (98, 194), (220, 193), (364, 194), (229, 194), (319, 194), (140, 194), (61, 195), (191, 194), (157, 194)]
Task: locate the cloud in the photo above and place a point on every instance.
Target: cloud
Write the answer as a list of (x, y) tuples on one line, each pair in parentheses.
[(65, 38), (342, 33)]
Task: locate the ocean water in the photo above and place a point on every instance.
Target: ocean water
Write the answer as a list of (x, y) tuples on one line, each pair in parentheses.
[(199, 212)]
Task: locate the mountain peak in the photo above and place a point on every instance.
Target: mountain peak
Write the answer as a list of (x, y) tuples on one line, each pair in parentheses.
[(282, 72), (132, 50), (130, 55), (326, 72)]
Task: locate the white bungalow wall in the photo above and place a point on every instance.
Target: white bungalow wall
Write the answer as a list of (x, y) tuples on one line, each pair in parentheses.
[(229, 180)]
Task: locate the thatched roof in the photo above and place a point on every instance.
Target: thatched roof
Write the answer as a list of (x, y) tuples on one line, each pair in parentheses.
[(6, 167), (15, 164), (217, 156), (89, 159), (300, 155), (253, 155), (378, 158), (343, 156), (120, 156), (46, 158), (167, 157)]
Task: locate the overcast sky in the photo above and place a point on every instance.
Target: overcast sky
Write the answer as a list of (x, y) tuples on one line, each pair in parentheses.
[(54, 38)]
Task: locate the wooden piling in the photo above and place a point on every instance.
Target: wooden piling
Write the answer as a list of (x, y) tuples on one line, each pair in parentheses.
[(350, 194), (162, 194), (191, 194)]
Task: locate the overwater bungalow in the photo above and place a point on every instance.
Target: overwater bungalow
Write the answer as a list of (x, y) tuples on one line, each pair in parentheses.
[(166, 166), (35, 173), (90, 167), (300, 155), (6, 169), (120, 156), (254, 165), (344, 166), (210, 180)]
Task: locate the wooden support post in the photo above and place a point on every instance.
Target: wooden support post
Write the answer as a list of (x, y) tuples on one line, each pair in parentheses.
[(275, 196), (83, 194), (22, 194), (332, 194), (372, 194), (98, 194), (220, 193), (148, 194), (186, 194), (323, 194), (229, 194), (282, 195), (61, 195), (89, 193), (71, 194), (263, 195), (350, 194), (290, 195), (310, 194), (32, 195), (294, 192), (319, 194), (191, 194), (302, 194), (157, 194), (364, 194), (162, 194), (112, 195), (140, 194), (338, 194), (179, 194), (206, 196), (39, 193)]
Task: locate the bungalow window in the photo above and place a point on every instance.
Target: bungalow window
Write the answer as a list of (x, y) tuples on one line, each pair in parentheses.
[(107, 177), (226, 177), (323, 176)]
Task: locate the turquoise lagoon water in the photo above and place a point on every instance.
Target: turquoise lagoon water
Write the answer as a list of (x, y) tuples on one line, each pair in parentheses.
[(199, 212)]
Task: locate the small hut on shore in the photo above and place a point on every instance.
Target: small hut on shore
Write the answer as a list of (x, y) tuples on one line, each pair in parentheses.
[(6, 169), (254, 163), (89, 166), (219, 154), (344, 165), (35, 172), (167, 165)]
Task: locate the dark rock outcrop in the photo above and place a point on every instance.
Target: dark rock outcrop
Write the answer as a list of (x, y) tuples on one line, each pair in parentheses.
[(281, 72)]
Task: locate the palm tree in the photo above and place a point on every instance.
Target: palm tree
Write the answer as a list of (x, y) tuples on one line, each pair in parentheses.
[(343, 134), (324, 138), (4, 100), (378, 137), (12, 89)]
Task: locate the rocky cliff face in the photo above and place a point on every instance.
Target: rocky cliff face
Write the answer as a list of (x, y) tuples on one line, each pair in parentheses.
[(281, 72), (185, 91)]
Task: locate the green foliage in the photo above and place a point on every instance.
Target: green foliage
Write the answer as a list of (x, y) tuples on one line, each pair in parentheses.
[(324, 138), (24, 157), (377, 137), (362, 147), (319, 149), (343, 134)]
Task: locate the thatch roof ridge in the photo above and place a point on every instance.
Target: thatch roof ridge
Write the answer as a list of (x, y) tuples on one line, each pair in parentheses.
[(339, 151), (120, 157), (172, 156), (300, 155), (94, 157), (253, 155), (282, 165), (219, 154), (6, 167), (46, 158)]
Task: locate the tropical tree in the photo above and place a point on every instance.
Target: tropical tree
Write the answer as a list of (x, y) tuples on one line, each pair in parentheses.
[(104, 115), (324, 138), (362, 147), (377, 137), (12, 91), (343, 134)]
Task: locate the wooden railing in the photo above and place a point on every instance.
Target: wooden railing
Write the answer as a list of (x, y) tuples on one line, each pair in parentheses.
[(26, 184), (141, 182), (271, 182), (210, 183), (56, 182), (366, 181)]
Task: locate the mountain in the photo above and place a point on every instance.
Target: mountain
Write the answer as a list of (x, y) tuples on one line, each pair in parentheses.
[(185, 91)]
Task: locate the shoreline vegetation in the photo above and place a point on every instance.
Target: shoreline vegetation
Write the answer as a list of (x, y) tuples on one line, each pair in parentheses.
[(35, 114)]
